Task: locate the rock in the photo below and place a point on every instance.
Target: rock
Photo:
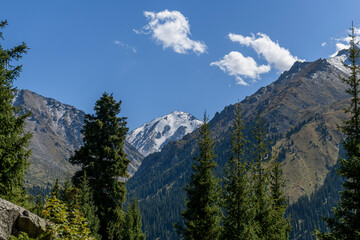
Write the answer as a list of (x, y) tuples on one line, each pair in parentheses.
[(14, 219)]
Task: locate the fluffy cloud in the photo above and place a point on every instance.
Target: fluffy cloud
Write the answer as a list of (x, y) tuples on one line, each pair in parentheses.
[(280, 57), (235, 64), (172, 30), (344, 42), (323, 44)]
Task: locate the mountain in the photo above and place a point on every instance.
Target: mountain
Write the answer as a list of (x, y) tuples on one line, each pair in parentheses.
[(154, 135), (301, 109), (56, 129)]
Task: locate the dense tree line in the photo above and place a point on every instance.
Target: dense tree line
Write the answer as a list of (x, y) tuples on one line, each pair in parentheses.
[(252, 205)]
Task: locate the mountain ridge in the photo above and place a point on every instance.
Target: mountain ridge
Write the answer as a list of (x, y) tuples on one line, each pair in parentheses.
[(56, 129), (305, 103)]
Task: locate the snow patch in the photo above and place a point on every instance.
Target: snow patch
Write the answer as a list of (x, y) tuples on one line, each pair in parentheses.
[(338, 62)]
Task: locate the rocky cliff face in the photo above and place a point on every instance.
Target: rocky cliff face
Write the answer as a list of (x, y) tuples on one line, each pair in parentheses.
[(56, 134), (56, 129)]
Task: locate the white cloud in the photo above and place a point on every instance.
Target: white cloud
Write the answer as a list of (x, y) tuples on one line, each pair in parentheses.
[(172, 30), (124, 45), (344, 42), (323, 44), (357, 31), (341, 46), (271, 51), (235, 64)]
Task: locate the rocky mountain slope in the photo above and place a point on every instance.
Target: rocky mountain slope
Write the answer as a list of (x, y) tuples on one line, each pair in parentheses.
[(301, 110), (56, 129), (154, 135)]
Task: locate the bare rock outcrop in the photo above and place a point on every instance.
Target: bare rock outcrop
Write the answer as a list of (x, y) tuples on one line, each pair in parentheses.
[(14, 219)]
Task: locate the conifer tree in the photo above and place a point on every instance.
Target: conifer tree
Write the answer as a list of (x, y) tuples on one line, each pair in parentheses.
[(56, 191), (88, 208), (345, 223), (238, 210), (280, 225), (14, 143), (103, 159), (132, 229), (202, 214), (261, 200)]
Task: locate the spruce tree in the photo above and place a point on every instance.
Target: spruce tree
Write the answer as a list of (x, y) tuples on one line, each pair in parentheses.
[(202, 214), (14, 143), (345, 223), (280, 225), (260, 182), (103, 159), (87, 207), (237, 206), (132, 229)]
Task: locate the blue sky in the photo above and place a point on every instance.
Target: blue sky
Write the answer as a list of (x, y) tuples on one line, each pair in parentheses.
[(161, 56)]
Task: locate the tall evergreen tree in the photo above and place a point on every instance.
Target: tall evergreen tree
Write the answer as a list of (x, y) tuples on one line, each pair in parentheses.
[(132, 229), (202, 214), (14, 143), (261, 200), (345, 223), (88, 208), (238, 211), (280, 225), (103, 158)]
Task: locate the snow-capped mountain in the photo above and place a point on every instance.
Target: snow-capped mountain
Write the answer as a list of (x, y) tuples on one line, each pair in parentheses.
[(154, 135)]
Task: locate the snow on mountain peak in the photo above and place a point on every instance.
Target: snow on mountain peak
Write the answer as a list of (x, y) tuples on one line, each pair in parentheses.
[(154, 135), (338, 62)]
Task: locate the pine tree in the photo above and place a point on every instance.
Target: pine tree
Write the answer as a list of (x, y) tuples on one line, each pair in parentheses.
[(238, 212), (280, 225), (56, 191), (103, 159), (88, 208), (261, 200), (132, 229), (345, 223), (14, 143), (202, 214)]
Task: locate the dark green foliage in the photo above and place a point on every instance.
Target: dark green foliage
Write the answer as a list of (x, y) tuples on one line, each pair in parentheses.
[(345, 223), (268, 197), (280, 225), (55, 191), (14, 143), (103, 159), (261, 200), (39, 192), (238, 221), (202, 214), (132, 229), (88, 208)]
